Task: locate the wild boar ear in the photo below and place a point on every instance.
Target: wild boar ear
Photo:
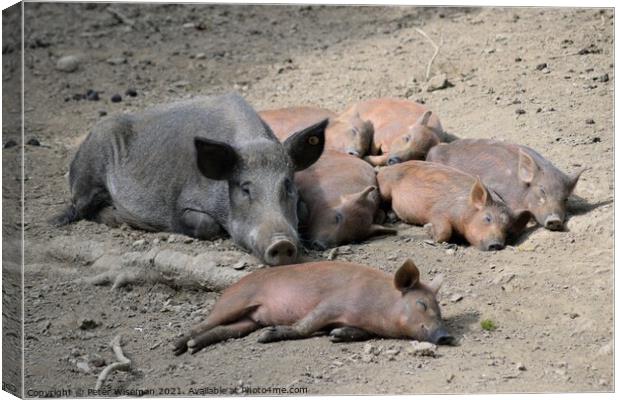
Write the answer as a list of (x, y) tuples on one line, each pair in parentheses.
[(521, 218), (572, 182), (215, 159), (527, 167), (306, 146), (435, 284), (407, 276), (479, 195), (379, 230), (423, 120)]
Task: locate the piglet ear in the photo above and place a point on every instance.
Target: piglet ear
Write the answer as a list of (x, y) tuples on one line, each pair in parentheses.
[(423, 120), (435, 284), (306, 146), (527, 167), (363, 196), (407, 276), (215, 159), (479, 195), (521, 218), (572, 182)]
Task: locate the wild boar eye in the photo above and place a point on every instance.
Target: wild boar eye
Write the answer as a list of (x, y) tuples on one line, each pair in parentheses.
[(407, 138), (487, 219), (421, 304)]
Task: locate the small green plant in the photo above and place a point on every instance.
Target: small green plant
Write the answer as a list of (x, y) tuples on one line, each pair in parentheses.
[(488, 325)]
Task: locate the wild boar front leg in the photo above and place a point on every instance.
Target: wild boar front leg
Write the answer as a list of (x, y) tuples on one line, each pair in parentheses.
[(199, 224), (439, 229), (317, 319)]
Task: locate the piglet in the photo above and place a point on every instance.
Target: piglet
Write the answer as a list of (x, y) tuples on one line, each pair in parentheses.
[(350, 301), (340, 201), (519, 175), (346, 132), (450, 201), (403, 129)]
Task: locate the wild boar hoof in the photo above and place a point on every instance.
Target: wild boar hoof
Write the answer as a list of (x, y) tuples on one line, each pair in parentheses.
[(273, 334)]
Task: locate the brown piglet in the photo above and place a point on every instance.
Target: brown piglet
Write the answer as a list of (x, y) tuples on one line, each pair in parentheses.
[(450, 201), (346, 133), (519, 175), (340, 201), (403, 129), (350, 301)]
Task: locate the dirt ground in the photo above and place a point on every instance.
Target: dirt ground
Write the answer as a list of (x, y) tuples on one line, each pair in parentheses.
[(550, 294)]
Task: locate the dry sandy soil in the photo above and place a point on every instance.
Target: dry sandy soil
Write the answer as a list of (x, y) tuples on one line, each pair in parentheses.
[(550, 294)]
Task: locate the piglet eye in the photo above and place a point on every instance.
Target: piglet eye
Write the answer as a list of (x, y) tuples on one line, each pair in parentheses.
[(245, 188), (407, 138), (421, 304), (487, 219), (338, 218), (355, 131)]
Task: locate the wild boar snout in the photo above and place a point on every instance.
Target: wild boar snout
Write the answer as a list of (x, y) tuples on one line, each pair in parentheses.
[(554, 222), (281, 251), (441, 337)]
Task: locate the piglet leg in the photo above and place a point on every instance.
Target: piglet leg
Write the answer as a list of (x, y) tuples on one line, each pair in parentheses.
[(220, 333), (439, 229), (318, 318), (348, 334)]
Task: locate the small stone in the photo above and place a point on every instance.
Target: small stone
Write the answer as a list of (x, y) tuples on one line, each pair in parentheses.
[(590, 121), (521, 367), (67, 64), (92, 95), (518, 59), (596, 139), (102, 113), (519, 111), (83, 367), (240, 265), (450, 378), (131, 92), (33, 141), (541, 66), (456, 298), (116, 60), (369, 348), (603, 78), (424, 349), (86, 324), (181, 84), (189, 25), (573, 315), (201, 56), (438, 82), (9, 143), (139, 243), (116, 98)]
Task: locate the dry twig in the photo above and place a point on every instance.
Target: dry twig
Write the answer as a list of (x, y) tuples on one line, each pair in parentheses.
[(432, 42), (123, 363)]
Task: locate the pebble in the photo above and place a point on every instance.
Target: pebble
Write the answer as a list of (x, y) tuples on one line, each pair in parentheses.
[(369, 348), (67, 64), (139, 243), (116, 98), (456, 298), (180, 84), (450, 378), (131, 92), (83, 367), (116, 60), (92, 95), (590, 121), (541, 66), (10, 143), (201, 56), (519, 111), (603, 78), (521, 367), (240, 265), (102, 113), (438, 82), (33, 141), (424, 349), (86, 323)]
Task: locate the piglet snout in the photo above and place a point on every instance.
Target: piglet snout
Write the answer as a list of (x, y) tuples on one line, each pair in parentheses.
[(554, 222), (441, 337), (281, 251), (494, 246)]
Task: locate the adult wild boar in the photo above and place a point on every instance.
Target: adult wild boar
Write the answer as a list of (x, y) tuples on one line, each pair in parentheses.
[(403, 129), (197, 167), (351, 301), (346, 132), (450, 201), (340, 199), (519, 175)]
